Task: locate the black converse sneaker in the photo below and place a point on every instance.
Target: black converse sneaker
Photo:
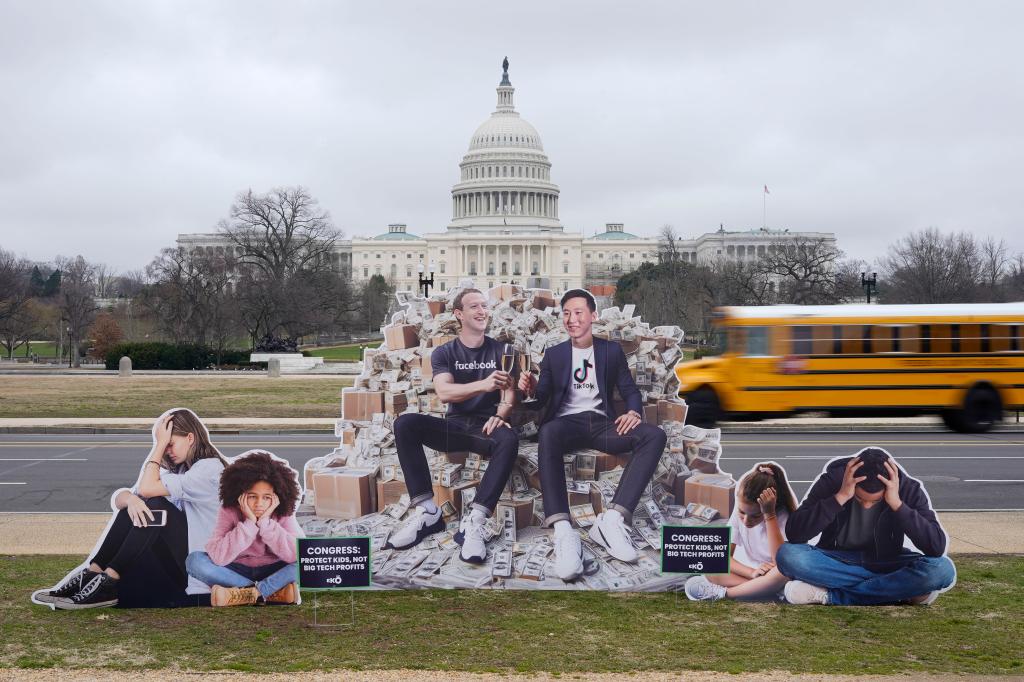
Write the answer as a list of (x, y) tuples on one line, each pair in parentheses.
[(72, 583), (99, 590)]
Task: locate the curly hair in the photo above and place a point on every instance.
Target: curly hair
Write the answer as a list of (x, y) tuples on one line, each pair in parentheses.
[(250, 469)]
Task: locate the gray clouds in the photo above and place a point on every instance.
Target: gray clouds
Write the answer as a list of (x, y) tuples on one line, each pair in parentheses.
[(127, 123)]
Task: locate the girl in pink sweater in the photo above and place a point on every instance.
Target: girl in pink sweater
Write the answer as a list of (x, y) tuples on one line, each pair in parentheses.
[(250, 556)]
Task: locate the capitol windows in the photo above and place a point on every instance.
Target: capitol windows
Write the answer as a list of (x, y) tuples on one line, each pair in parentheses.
[(504, 268), (490, 268), (588, 256), (442, 264), (394, 271), (565, 252), (536, 268), (565, 268), (408, 271), (442, 252), (366, 273), (378, 270), (378, 256)]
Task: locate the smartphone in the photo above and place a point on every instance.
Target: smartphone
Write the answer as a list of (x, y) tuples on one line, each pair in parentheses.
[(159, 517)]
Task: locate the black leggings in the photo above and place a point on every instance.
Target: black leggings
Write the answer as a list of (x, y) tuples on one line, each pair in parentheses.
[(125, 543)]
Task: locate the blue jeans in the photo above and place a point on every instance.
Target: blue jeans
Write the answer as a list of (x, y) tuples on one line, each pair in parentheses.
[(850, 580), (267, 579)]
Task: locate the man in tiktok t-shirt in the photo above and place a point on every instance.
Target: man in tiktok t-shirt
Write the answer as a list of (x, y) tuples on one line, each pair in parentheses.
[(577, 378), (467, 376)]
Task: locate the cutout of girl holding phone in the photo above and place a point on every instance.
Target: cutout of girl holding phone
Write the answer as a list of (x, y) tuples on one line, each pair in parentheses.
[(171, 509)]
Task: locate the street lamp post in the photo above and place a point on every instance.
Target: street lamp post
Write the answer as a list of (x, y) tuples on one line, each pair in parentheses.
[(869, 284), (426, 282)]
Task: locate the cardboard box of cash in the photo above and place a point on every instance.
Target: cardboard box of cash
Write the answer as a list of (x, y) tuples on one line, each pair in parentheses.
[(713, 490), (344, 493), (361, 405), (401, 336)]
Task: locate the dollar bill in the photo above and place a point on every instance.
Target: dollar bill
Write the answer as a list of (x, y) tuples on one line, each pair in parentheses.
[(501, 565)]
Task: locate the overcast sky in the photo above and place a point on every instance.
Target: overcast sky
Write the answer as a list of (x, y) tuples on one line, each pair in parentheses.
[(125, 123)]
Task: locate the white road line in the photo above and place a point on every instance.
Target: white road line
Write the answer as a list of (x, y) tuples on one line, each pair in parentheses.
[(12, 483), (40, 459), (813, 457), (994, 480)]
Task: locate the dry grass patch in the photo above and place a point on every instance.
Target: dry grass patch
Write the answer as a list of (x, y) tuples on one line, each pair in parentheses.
[(149, 396)]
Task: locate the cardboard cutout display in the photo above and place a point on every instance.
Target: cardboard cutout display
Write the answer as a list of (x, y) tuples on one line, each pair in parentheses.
[(361, 488), (141, 557)]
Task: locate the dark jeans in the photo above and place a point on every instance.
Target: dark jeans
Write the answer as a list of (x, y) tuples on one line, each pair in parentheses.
[(124, 543), (454, 434), (592, 430), (853, 581)]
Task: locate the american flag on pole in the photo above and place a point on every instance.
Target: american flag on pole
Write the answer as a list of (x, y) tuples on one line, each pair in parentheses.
[(766, 190)]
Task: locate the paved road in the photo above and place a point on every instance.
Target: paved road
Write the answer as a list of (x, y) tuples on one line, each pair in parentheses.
[(76, 473)]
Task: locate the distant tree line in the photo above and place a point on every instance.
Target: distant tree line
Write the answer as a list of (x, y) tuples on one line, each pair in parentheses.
[(276, 279), (924, 267)]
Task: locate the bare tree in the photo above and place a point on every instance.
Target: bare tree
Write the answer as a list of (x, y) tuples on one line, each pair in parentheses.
[(805, 269), (190, 296), (283, 242), (76, 300), (22, 327), (106, 280), (15, 285), (668, 245), (994, 259), (930, 267)]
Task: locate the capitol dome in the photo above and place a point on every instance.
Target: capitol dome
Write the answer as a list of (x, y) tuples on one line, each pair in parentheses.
[(505, 176)]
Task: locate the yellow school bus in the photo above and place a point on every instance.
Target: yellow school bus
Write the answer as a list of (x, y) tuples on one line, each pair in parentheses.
[(962, 361)]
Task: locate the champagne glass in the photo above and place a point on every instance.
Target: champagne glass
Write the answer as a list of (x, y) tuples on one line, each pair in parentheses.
[(525, 366), (508, 358)]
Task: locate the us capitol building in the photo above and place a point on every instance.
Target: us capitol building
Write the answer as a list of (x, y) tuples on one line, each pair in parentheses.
[(505, 226)]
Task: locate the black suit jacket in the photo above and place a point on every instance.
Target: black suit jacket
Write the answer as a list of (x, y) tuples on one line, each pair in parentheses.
[(612, 372)]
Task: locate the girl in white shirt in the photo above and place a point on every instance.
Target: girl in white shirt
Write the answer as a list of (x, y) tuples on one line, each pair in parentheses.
[(763, 503)]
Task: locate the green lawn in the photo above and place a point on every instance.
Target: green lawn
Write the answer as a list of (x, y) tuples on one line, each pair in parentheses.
[(42, 349), (977, 628), (350, 353)]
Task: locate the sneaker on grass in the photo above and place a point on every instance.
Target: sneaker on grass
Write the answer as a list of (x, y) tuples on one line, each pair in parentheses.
[(98, 591), (472, 536), (234, 596), (568, 554), (799, 592), (418, 526), (609, 531), (71, 584), (699, 588)]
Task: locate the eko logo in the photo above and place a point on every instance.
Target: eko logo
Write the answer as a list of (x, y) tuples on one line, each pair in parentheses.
[(335, 580)]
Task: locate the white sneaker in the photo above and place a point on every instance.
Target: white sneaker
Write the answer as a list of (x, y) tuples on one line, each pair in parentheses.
[(418, 526), (925, 599), (568, 555), (609, 531), (699, 588), (472, 537), (799, 592)]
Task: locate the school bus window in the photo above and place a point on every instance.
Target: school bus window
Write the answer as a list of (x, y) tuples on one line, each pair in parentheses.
[(954, 338), (986, 338), (737, 340), (881, 339), (822, 339), (970, 338), (909, 341), (801, 340), (865, 339), (758, 341), (851, 339), (926, 338), (999, 335), (1015, 344), (941, 339)]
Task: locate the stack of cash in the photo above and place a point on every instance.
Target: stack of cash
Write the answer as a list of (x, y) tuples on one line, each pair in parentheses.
[(397, 378)]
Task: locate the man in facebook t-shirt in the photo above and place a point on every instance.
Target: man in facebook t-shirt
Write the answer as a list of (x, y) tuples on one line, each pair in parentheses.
[(467, 376)]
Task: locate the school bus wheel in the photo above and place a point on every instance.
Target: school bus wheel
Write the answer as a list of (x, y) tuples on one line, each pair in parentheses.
[(982, 408), (704, 409)]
